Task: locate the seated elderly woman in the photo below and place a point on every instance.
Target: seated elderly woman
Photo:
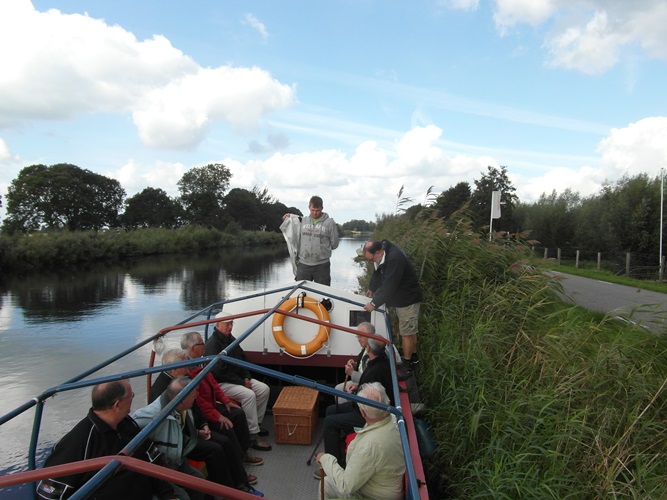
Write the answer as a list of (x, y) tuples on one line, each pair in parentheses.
[(375, 462)]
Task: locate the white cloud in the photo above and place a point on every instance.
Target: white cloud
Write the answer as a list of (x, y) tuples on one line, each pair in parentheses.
[(180, 114), (589, 35), (638, 148), (78, 65), (512, 12), (257, 25), (459, 4), (135, 178)]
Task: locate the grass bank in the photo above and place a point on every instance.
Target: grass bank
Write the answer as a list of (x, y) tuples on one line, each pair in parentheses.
[(529, 397), (655, 286), (62, 250)]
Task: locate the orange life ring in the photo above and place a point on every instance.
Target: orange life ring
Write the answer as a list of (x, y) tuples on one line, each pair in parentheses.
[(292, 347)]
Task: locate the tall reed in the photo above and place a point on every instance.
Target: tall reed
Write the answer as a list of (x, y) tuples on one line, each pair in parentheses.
[(529, 397)]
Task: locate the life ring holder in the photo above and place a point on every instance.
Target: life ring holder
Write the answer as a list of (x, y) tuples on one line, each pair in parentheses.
[(281, 338)]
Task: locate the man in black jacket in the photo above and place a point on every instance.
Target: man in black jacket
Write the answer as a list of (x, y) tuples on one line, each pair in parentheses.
[(341, 419), (237, 382), (394, 283), (106, 430)]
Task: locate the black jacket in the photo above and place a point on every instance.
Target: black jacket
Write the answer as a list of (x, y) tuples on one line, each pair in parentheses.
[(224, 372), (379, 370), (395, 281), (92, 437)]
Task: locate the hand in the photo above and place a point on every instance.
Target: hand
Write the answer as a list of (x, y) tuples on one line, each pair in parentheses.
[(225, 422), (349, 367), (369, 307), (369, 293), (351, 388), (286, 216), (318, 456), (231, 405), (204, 433)]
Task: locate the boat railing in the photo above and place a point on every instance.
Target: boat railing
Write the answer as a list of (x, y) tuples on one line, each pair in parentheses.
[(130, 463), (412, 487)]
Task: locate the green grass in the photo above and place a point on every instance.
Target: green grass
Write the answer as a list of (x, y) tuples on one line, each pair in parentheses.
[(655, 286), (529, 397)]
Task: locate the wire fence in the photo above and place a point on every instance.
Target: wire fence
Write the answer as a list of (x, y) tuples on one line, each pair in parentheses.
[(633, 265)]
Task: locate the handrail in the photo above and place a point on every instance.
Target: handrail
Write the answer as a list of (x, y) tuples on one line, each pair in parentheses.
[(110, 467), (130, 463)]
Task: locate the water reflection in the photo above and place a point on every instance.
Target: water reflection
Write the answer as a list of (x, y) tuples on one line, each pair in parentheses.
[(54, 326)]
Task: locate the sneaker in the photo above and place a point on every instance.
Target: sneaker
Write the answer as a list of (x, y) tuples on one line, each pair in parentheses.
[(249, 489), (263, 432), (252, 479), (261, 445), (250, 460)]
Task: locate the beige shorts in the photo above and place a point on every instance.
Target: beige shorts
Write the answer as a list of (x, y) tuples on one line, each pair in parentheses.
[(408, 319)]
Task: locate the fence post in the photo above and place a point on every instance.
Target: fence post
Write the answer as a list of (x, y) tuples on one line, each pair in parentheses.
[(627, 264), (662, 266), (558, 255), (599, 258), (546, 252), (576, 261)]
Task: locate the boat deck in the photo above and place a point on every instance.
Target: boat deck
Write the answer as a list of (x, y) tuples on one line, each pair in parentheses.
[(285, 473)]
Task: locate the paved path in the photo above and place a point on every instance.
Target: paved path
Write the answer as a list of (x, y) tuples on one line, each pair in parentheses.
[(644, 307)]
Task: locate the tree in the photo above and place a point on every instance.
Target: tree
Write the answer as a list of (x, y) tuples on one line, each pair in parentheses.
[(243, 207), (551, 220), (453, 199), (62, 196), (494, 180), (152, 208), (203, 194)]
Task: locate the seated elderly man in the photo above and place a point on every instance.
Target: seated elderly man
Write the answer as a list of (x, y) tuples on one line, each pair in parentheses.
[(341, 419), (237, 382), (106, 430), (375, 462), (178, 439), (164, 378), (225, 418)]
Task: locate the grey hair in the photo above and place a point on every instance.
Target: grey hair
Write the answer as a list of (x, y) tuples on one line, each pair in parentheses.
[(376, 346), (374, 391), (189, 339), (176, 386), (367, 327), (174, 356)]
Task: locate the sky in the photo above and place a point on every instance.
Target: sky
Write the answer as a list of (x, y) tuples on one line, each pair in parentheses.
[(345, 99)]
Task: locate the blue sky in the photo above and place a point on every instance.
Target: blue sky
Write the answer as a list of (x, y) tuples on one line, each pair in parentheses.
[(349, 100)]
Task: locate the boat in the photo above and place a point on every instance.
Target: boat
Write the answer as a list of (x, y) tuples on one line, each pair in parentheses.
[(297, 334)]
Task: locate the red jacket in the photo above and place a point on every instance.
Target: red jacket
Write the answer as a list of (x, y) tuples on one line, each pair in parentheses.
[(208, 394)]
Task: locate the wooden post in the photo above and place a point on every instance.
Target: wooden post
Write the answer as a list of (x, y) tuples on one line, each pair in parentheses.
[(558, 255), (546, 253), (599, 259), (576, 260), (627, 264)]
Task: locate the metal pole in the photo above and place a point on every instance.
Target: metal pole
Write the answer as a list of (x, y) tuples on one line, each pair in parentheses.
[(662, 197)]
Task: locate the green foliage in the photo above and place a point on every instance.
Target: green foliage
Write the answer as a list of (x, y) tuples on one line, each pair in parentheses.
[(151, 208), (358, 225), (453, 199), (62, 196), (203, 194), (65, 249), (494, 180), (529, 397)]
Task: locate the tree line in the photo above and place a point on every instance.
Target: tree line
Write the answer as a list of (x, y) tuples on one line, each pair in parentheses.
[(623, 217), (67, 197)]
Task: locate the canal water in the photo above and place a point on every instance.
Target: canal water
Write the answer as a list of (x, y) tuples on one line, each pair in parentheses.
[(53, 327)]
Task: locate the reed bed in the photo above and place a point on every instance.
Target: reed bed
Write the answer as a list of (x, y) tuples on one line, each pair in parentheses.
[(529, 397), (65, 249)]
